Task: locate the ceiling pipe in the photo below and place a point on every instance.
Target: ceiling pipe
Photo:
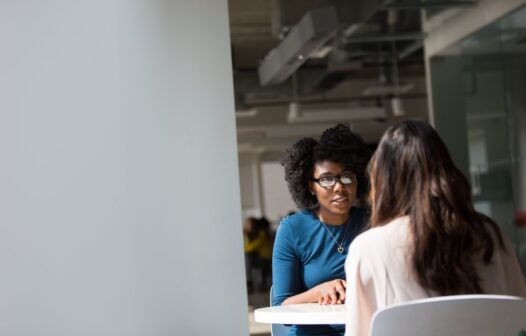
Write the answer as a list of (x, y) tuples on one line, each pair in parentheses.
[(312, 32), (383, 38), (407, 5)]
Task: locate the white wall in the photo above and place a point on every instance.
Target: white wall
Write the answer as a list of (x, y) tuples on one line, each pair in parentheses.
[(119, 190), (278, 202), (263, 189), (252, 204)]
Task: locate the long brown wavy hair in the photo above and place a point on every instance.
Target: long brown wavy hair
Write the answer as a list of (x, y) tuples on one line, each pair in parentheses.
[(412, 174)]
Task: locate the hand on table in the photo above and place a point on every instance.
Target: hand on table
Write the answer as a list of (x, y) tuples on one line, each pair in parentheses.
[(332, 292)]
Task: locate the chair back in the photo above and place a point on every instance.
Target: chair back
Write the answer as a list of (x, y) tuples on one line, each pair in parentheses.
[(458, 315), (277, 329)]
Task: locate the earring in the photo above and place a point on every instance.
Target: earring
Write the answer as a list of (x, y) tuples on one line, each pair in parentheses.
[(312, 192)]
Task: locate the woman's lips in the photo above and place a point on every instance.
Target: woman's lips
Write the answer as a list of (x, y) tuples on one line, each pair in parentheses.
[(339, 200)]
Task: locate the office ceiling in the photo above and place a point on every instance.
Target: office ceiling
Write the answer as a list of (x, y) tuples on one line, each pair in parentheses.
[(358, 73)]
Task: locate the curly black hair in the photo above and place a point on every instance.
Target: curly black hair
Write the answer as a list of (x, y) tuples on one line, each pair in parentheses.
[(339, 145)]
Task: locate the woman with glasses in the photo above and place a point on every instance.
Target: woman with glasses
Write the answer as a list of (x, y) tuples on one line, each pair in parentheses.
[(326, 180), (426, 238)]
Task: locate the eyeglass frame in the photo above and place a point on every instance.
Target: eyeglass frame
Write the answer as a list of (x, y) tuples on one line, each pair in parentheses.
[(337, 178)]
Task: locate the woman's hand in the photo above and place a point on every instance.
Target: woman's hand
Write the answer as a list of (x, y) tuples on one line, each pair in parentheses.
[(331, 292)]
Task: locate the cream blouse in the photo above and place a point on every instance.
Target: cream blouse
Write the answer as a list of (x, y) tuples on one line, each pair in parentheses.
[(378, 274)]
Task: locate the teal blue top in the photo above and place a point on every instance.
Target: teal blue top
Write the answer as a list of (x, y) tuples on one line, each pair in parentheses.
[(305, 255)]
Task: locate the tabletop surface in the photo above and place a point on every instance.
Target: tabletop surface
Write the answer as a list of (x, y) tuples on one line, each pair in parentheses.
[(305, 313)]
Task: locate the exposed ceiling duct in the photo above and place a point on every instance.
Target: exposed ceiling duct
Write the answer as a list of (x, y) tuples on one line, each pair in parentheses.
[(287, 13), (311, 33), (307, 38)]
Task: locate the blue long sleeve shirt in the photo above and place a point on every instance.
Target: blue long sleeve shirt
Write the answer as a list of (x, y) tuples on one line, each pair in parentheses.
[(305, 255)]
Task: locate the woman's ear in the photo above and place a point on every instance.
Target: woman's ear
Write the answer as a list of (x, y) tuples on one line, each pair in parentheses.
[(311, 188)]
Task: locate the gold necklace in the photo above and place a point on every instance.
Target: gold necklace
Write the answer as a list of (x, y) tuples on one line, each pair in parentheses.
[(340, 246)]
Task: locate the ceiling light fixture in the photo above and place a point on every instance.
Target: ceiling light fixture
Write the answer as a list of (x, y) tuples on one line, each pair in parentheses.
[(250, 113), (333, 113)]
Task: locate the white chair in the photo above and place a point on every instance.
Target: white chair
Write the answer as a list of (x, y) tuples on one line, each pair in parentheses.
[(459, 315)]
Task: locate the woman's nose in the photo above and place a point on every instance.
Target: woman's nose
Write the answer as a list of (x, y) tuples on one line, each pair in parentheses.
[(338, 185)]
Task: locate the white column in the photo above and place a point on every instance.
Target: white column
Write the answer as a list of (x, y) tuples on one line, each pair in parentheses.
[(119, 192)]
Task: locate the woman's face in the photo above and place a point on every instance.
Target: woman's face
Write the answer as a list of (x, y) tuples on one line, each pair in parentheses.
[(338, 199), (248, 226)]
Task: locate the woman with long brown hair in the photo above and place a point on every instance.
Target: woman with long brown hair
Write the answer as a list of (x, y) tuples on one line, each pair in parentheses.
[(426, 238)]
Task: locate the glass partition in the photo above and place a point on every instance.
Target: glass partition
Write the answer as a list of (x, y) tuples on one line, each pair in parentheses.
[(480, 111)]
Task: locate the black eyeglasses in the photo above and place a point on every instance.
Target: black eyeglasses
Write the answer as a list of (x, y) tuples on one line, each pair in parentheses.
[(329, 181)]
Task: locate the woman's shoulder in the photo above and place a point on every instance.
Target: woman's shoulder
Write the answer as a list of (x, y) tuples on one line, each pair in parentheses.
[(379, 247), (384, 236), (298, 218), (297, 222)]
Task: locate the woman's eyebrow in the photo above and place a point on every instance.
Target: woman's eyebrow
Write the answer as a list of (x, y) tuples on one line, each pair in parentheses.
[(343, 172)]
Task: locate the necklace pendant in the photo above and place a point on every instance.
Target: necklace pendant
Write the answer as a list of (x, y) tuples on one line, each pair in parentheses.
[(340, 249)]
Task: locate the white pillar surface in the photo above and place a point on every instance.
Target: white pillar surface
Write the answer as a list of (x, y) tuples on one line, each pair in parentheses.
[(119, 192)]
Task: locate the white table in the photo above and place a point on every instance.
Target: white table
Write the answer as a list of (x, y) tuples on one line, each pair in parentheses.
[(305, 313)]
